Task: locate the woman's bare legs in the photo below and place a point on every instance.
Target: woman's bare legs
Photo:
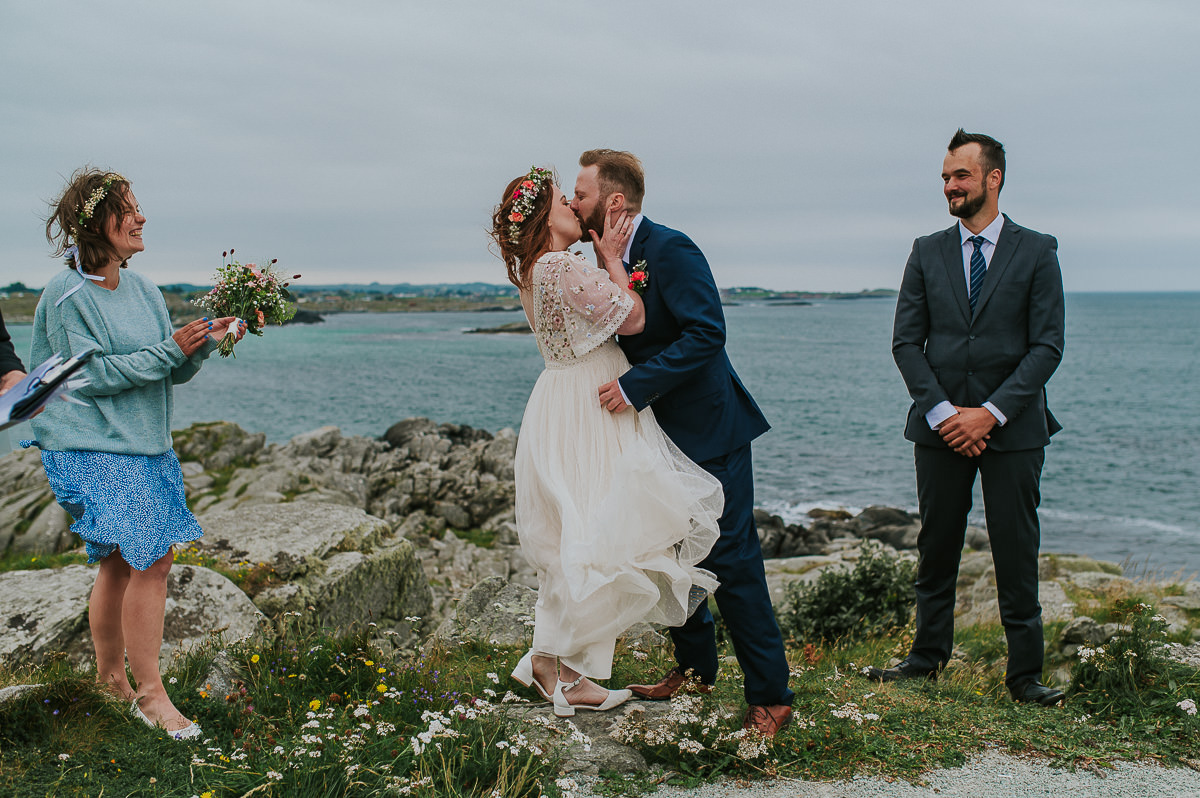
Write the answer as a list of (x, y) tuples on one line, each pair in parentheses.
[(142, 618), (104, 617), (545, 670)]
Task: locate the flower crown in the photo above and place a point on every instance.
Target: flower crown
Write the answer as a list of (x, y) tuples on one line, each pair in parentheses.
[(98, 194), (524, 196)]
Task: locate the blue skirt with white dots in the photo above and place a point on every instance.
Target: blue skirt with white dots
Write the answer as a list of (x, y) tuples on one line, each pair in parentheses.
[(123, 502)]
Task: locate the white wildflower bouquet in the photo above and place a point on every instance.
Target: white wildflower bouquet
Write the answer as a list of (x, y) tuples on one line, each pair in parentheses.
[(252, 293)]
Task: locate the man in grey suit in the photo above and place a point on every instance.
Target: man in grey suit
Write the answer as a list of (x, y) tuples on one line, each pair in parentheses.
[(978, 332)]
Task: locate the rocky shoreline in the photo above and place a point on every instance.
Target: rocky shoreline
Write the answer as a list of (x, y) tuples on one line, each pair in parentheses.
[(415, 532)]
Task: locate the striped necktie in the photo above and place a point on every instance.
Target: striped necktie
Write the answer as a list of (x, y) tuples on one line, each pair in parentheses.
[(978, 269)]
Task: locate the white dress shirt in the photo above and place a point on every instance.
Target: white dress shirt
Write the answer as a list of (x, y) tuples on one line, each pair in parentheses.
[(990, 234)]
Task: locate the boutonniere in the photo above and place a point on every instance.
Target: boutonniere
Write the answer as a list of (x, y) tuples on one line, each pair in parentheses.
[(639, 277)]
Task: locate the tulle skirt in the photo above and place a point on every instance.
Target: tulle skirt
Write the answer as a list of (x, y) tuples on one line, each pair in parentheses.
[(610, 513)]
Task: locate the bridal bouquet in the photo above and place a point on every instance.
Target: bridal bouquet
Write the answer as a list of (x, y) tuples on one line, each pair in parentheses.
[(249, 292)]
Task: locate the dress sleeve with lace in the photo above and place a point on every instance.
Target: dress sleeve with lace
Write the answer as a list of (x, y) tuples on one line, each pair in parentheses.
[(581, 300)]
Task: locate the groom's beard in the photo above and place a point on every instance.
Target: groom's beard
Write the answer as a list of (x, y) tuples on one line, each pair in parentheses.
[(970, 205), (593, 222)]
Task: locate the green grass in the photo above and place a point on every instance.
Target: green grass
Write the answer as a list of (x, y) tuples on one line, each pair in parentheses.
[(484, 540), (332, 716), (310, 716), (31, 562)]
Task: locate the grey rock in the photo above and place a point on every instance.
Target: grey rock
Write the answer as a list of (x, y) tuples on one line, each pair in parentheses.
[(1099, 581), (222, 677), (972, 566), (202, 603), (218, 444), (782, 572), (456, 517), (342, 567), (1084, 630), (318, 443), (402, 432), (48, 533), (1188, 601), (890, 525), (15, 691), (46, 611), (386, 587), (778, 539), (1188, 655), (493, 611), (291, 538), (1051, 565), (977, 539)]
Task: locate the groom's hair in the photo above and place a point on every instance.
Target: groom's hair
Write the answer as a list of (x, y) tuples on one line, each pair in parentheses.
[(991, 152), (618, 171)]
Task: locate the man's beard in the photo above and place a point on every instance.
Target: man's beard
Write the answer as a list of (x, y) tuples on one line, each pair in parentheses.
[(593, 222), (970, 205)]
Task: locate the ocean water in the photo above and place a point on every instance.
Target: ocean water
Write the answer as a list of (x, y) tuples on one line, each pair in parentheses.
[(1120, 481)]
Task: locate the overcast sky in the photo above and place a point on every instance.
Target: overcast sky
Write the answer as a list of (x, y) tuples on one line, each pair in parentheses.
[(798, 143)]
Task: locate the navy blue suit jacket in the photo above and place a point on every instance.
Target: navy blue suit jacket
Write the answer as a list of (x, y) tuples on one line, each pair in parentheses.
[(679, 361), (8, 356)]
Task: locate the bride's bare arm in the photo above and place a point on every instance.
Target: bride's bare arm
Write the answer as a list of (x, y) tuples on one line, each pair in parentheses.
[(609, 249)]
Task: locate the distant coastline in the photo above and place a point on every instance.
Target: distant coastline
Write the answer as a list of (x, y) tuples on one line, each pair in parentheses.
[(18, 301)]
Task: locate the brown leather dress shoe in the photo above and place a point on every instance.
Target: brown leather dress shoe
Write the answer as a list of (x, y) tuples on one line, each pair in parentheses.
[(767, 720), (668, 686)]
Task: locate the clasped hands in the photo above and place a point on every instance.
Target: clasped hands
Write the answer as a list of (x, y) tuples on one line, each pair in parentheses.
[(968, 430)]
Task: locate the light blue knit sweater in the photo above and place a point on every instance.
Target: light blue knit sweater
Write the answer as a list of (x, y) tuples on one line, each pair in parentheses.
[(128, 403)]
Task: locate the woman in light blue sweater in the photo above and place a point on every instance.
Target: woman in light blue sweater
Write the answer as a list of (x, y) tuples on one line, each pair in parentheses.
[(109, 460)]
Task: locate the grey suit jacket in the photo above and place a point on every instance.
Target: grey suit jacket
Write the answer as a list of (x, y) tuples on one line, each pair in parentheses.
[(1003, 353)]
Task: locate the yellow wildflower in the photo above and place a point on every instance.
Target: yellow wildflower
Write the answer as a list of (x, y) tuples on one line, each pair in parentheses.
[(315, 704)]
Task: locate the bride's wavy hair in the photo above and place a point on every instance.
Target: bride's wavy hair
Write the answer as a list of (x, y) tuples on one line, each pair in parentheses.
[(534, 239), (83, 212)]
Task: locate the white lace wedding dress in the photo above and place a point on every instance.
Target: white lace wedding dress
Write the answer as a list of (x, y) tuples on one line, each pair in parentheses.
[(610, 513)]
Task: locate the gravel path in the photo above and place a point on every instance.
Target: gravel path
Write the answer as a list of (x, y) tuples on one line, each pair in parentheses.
[(991, 775)]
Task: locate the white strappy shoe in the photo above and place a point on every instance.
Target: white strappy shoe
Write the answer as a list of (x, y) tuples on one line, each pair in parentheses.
[(523, 674), (186, 733), (565, 709)]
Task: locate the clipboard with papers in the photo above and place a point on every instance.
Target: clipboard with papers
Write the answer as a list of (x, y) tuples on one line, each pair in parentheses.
[(49, 381)]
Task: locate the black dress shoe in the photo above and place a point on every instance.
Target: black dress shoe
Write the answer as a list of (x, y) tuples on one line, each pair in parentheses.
[(1036, 692), (905, 670)]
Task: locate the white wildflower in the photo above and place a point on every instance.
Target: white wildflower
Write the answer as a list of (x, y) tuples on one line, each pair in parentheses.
[(1188, 706)]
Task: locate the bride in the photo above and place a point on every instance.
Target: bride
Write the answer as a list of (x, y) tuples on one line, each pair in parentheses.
[(611, 515)]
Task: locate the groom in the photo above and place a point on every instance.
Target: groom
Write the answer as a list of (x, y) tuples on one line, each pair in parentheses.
[(681, 369)]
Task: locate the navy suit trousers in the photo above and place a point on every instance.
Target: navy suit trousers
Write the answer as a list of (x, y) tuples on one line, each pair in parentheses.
[(742, 598)]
